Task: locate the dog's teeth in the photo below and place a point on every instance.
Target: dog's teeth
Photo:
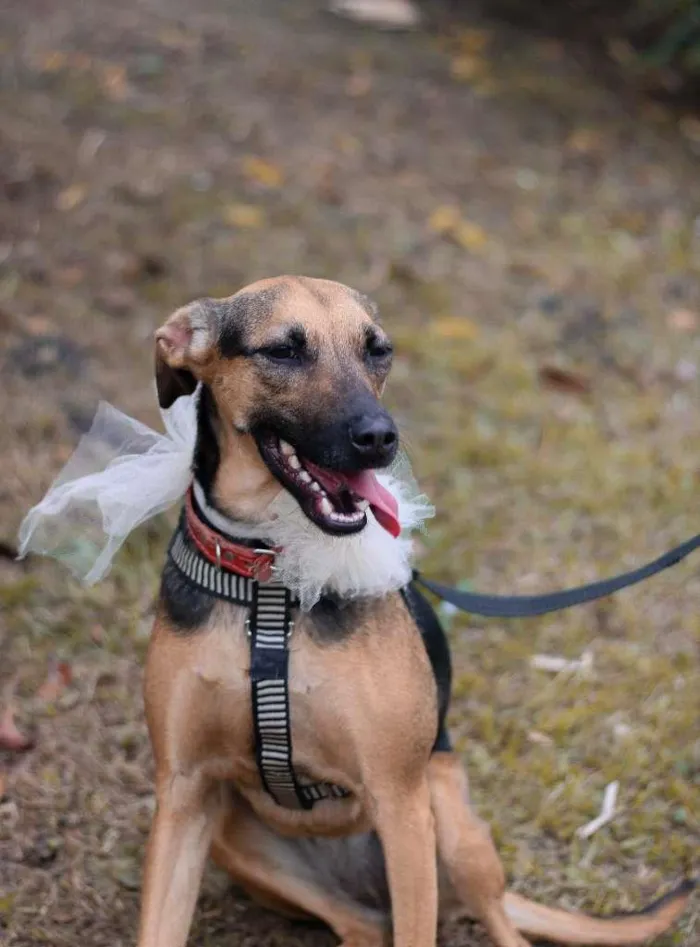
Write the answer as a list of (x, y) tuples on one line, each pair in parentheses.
[(316, 487), (287, 449), (305, 477), (345, 517), (294, 462), (326, 507), (362, 505)]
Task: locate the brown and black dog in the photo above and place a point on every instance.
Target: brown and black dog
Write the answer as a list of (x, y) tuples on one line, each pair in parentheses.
[(290, 373)]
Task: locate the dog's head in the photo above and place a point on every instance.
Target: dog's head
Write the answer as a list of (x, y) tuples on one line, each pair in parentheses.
[(292, 370)]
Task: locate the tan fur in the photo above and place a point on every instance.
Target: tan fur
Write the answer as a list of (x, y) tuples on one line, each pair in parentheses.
[(364, 713)]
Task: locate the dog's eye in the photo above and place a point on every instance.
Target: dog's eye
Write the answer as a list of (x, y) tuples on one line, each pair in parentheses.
[(282, 353)]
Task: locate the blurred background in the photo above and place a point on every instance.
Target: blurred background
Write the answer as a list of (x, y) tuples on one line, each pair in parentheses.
[(517, 186)]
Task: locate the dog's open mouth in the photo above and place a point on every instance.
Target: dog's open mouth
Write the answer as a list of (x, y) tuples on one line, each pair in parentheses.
[(337, 502)]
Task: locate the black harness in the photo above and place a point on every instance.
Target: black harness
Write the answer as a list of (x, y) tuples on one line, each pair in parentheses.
[(271, 609)]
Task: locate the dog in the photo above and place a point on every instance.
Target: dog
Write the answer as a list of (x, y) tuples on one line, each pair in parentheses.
[(367, 826)]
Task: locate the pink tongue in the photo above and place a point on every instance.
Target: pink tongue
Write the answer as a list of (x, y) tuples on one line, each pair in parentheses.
[(365, 485), (384, 506)]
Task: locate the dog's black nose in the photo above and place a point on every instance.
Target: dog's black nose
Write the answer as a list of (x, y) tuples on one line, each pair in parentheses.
[(375, 438)]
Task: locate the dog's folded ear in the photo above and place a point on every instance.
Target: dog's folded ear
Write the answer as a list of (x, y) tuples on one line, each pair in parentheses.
[(184, 344)]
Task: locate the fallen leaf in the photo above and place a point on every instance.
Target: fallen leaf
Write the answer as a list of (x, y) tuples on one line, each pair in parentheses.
[(262, 172), (175, 38), (358, 84), (467, 68), (470, 236), (70, 276), (448, 221), (444, 219), (50, 776), (454, 327), (486, 88), (114, 82), (557, 664), (387, 14), (59, 677), (541, 739), (70, 197), (80, 61), (246, 216), (682, 320), (54, 61), (38, 325), (473, 41), (10, 736), (560, 379), (584, 141), (6, 904)]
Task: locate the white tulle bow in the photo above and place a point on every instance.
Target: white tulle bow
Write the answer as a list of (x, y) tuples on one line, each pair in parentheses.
[(121, 474)]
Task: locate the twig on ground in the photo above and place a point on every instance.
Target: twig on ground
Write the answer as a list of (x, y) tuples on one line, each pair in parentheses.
[(607, 811)]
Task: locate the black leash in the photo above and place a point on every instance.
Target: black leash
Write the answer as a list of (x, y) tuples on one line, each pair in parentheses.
[(524, 606)]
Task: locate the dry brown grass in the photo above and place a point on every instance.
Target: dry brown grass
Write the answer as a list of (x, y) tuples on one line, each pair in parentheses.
[(509, 215)]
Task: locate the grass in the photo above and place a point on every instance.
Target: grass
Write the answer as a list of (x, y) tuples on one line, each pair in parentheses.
[(570, 244)]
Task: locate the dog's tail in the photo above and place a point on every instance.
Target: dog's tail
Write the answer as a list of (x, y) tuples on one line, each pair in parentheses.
[(567, 927)]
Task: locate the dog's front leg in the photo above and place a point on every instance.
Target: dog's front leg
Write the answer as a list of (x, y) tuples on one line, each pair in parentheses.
[(467, 851), (404, 822), (181, 833)]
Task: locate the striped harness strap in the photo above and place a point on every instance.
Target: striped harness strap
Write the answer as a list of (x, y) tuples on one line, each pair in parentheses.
[(269, 626)]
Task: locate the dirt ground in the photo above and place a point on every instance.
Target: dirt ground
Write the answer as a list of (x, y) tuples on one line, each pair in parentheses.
[(532, 236)]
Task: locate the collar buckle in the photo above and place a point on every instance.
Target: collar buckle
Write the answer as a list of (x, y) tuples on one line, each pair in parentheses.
[(262, 568), (226, 554)]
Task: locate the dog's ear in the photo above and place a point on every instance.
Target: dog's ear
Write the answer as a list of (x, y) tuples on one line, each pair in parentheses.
[(184, 344)]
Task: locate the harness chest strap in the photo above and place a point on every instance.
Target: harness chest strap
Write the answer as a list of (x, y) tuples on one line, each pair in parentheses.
[(269, 626)]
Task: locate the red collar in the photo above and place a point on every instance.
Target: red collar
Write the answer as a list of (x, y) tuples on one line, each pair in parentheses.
[(225, 554)]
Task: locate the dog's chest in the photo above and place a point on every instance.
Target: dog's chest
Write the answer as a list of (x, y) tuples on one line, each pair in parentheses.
[(360, 694), (362, 688)]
